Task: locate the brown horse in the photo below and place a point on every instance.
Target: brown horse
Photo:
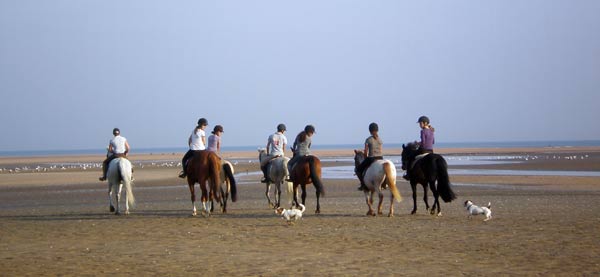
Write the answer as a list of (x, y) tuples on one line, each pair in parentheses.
[(202, 167), (306, 171)]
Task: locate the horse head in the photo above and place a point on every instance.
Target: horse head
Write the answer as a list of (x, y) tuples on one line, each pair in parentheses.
[(262, 153), (409, 152), (359, 157)]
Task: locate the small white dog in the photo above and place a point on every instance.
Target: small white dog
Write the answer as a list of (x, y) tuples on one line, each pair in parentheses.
[(473, 209), (290, 215)]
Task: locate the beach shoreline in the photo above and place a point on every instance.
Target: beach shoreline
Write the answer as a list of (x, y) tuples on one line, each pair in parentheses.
[(58, 223)]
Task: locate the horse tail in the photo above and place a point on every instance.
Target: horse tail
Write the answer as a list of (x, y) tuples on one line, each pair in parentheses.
[(214, 167), (443, 185), (390, 177), (125, 172), (314, 176), (228, 169)]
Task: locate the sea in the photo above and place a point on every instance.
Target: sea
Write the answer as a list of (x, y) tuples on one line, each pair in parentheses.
[(508, 144)]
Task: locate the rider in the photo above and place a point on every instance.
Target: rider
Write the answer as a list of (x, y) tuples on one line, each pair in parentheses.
[(427, 139), (214, 140), (301, 146), (118, 147), (196, 141), (275, 148), (373, 150)]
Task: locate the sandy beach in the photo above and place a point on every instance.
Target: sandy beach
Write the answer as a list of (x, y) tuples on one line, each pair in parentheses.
[(54, 220)]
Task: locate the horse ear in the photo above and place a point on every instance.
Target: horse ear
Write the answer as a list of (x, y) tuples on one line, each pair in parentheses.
[(403, 146), (355, 151)]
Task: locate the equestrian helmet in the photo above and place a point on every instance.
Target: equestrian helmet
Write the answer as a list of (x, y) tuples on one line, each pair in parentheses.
[(373, 127), (116, 131), (218, 128), (202, 122), (281, 127), (423, 119), (309, 129)]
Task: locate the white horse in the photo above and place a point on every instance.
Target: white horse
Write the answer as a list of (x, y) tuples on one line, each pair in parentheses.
[(376, 176), (119, 174), (278, 172)]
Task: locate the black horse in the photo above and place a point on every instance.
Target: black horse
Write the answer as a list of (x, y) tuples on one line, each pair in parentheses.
[(431, 169)]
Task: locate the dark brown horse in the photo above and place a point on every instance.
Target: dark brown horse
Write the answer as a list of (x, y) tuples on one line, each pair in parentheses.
[(306, 171), (202, 167)]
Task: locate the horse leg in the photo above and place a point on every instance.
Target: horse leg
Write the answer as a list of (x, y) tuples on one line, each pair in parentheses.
[(118, 212), (413, 186), (126, 203), (380, 206), (369, 198), (193, 198), (278, 194), (204, 198), (271, 205), (318, 211), (425, 197), (303, 194), (110, 202), (391, 214), (224, 196), (295, 192), (436, 202)]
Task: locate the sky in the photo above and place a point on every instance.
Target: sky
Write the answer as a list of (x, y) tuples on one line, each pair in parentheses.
[(482, 71)]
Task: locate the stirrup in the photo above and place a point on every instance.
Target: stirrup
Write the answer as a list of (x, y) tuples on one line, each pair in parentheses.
[(182, 174), (102, 178)]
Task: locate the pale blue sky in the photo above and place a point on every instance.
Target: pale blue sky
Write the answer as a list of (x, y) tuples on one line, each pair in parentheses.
[(70, 71)]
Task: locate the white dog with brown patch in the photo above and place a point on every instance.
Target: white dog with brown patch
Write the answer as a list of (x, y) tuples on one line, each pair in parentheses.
[(291, 215), (473, 209)]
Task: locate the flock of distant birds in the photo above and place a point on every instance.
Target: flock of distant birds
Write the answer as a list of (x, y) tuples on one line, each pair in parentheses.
[(98, 166)]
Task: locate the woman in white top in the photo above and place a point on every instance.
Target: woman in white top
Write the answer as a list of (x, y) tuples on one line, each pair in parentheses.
[(117, 147), (196, 141)]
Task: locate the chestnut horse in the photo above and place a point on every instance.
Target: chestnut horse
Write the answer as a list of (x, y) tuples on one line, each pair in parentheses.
[(306, 171), (227, 185), (429, 169), (202, 167), (379, 174)]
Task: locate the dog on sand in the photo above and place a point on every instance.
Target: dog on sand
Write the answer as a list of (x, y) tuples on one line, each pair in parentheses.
[(473, 209), (291, 215)]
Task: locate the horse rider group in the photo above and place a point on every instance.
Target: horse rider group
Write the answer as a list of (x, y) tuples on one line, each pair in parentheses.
[(276, 143)]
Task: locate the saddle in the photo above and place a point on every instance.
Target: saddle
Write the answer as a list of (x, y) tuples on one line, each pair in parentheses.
[(266, 161), (417, 158)]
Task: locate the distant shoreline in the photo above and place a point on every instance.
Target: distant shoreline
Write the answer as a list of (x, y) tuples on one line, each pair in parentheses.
[(444, 147)]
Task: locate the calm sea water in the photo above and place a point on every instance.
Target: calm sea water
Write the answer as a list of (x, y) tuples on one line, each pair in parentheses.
[(336, 146)]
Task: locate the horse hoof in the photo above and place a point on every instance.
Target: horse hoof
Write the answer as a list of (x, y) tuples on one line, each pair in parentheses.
[(439, 214), (126, 212), (390, 215), (194, 214), (317, 212), (112, 209), (117, 213), (413, 212)]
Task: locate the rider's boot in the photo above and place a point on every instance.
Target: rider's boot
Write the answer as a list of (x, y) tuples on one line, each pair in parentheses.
[(362, 186)]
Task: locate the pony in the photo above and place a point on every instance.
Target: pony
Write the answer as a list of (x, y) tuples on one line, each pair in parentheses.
[(306, 171), (118, 174), (379, 174), (227, 185), (278, 171), (202, 167), (430, 169)]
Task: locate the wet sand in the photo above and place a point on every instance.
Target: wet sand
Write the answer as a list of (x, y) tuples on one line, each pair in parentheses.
[(57, 223)]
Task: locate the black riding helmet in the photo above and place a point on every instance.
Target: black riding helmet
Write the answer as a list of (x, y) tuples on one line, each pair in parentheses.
[(309, 129), (281, 127), (202, 121), (423, 119), (116, 131), (373, 127)]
